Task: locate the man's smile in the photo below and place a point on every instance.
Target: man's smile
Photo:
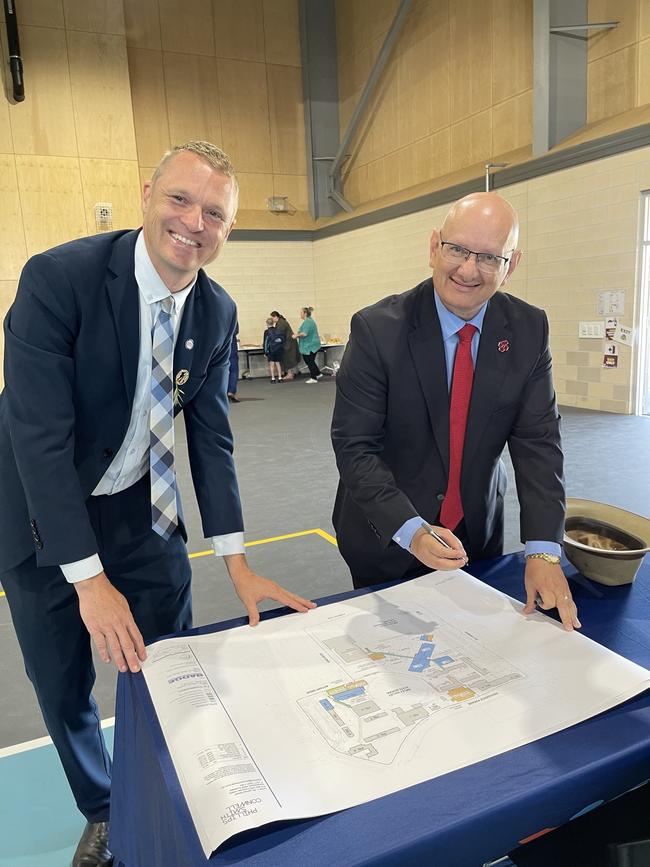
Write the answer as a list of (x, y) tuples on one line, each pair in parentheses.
[(181, 239)]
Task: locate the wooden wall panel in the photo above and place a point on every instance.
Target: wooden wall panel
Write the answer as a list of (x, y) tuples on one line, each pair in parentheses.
[(101, 95), (115, 181), (470, 57), (286, 120), (281, 32), (611, 84), (512, 48), (383, 115), (512, 124), (239, 29), (471, 140), (602, 42), (95, 16), (7, 295), (423, 73), (644, 19), (142, 24), (425, 159), (146, 173), (187, 27), (198, 117), (12, 238), (643, 87), (149, 105), (295, 188), (254, 189), (44, 123), (40, 13), (244, 114), (51, 200)]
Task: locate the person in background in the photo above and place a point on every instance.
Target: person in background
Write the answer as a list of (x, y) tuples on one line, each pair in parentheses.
[(233, 369), (309, 343), (290, 355), (273, 348)]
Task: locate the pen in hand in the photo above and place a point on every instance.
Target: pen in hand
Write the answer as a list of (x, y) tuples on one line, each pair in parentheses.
[(431, 532)]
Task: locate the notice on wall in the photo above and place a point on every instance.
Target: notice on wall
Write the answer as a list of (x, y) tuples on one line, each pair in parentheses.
[(610, 356), (611, 302), (611, 325), (623, 335)]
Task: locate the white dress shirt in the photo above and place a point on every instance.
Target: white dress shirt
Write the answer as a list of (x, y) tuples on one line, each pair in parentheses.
[(131, 462)]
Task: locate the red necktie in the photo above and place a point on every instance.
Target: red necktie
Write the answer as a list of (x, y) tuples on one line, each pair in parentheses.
[(461, 391)]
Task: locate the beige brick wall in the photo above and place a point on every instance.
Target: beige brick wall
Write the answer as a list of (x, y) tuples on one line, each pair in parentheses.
[(579, 234), (264, 276)]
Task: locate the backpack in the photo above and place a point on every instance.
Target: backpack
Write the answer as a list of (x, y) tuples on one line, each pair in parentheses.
[(273, 340)]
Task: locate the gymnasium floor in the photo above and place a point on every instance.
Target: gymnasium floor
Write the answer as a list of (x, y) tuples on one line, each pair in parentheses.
[(288, 480)]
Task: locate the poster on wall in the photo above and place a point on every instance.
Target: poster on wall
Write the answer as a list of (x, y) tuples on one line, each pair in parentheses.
[(610, 356), (611, 325), (623, 334), (611, 302)]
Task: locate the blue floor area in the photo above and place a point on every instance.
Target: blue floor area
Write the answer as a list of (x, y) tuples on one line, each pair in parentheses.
[(39, 821)]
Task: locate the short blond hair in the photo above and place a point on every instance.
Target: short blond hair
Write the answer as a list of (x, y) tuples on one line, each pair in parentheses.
[(218, 159)]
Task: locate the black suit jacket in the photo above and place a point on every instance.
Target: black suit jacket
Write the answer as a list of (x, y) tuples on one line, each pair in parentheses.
[(72, 339), (390, 430)]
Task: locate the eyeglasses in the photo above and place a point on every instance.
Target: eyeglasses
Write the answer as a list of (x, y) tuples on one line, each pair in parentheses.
[(489, 263)]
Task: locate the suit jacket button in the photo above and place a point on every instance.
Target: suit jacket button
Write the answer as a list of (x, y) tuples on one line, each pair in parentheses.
[(32, 524), (38, 544), (108, 453), (440, 497)]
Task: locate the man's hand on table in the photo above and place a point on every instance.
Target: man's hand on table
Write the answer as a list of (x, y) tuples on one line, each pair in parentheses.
[(252, 589), (548, 582), (107, 617)]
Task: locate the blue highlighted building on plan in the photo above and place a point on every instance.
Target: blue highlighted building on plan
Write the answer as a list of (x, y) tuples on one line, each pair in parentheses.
[(422, 658)]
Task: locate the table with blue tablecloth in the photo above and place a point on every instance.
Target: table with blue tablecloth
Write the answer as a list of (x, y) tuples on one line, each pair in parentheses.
[(461, 819)]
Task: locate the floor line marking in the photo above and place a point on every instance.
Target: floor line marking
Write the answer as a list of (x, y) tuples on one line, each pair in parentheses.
[(41, 742), (327, 536), (297, 535), (316, 531)]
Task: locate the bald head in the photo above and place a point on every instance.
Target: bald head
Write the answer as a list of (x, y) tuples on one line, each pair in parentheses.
[(475, 252), (487, 209)]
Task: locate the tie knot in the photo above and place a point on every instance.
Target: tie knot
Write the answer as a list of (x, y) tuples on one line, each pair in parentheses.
[(167, 304), (466, 333)]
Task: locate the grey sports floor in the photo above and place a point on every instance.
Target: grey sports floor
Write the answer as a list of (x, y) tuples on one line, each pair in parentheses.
[(288, 480)]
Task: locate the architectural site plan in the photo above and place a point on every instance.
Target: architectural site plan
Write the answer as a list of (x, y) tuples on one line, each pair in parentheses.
[(311, 713)]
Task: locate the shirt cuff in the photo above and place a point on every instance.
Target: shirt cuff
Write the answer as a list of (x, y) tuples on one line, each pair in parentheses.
[(230, 543), (537, 547), (404, 535), (81, 570)]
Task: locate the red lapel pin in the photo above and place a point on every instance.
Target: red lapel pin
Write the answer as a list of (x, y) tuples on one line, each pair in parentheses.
[(503, 345)]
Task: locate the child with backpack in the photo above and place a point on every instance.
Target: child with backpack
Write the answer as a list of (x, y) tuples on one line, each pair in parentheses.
[(273, 344)]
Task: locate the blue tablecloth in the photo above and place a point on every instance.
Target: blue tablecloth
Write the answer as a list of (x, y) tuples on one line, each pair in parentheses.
[(461, 819)]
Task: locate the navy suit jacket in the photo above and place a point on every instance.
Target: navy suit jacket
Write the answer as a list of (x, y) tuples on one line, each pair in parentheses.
[(72, 339), (390, 430)]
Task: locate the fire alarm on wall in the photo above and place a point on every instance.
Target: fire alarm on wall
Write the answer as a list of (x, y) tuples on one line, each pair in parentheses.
[(104, 216)]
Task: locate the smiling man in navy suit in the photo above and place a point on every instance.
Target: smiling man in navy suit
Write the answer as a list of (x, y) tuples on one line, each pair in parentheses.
[(86, 549), (433, 384)]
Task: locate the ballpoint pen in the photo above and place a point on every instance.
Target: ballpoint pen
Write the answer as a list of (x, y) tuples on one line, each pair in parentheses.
[(431, 532)]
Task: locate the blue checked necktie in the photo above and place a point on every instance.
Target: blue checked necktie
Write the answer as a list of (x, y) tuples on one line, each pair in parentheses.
[(164, 515)]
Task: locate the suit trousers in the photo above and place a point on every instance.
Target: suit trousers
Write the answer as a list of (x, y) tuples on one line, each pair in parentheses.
[(153, 575)]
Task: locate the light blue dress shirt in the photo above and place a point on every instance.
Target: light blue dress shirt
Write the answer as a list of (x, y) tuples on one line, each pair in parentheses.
[(450, 324)]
